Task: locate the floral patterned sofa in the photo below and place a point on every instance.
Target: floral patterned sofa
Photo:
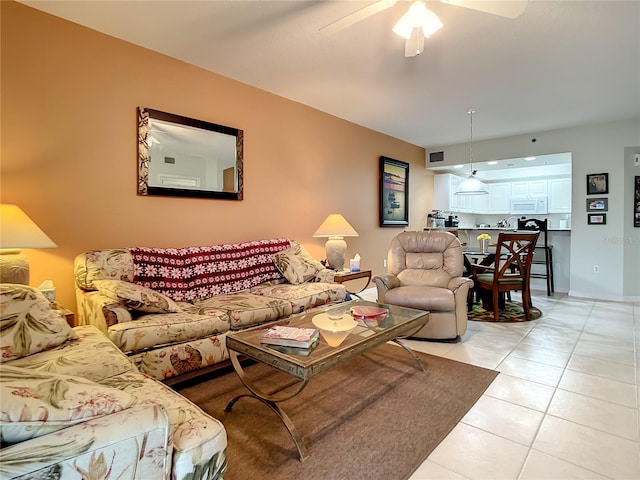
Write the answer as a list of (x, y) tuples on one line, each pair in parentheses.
[(170, 309), (73, 406)]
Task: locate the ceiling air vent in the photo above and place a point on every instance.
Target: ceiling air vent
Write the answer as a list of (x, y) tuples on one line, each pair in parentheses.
[(170, 160), (436, 157)]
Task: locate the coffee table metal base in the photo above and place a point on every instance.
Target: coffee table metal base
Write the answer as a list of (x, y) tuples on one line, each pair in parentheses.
[(271, 400)]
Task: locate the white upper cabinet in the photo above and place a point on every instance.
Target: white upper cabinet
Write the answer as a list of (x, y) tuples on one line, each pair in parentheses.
[(558, 192), (560, 195), (499, 200), (533, 188), (444, 186)]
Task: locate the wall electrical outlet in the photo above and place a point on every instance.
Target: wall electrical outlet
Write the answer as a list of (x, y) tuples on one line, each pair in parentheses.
[(636, 160), (384, 262), (596, 269)]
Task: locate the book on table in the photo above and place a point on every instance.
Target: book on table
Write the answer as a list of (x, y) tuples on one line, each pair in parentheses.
[(290, 336), (305, 352)]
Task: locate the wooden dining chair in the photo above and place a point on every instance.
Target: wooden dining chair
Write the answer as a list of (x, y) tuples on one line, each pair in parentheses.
[(511, 271), (544, 248)]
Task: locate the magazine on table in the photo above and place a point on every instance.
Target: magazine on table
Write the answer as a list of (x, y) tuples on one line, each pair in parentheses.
[(304, 352), (290, 336)]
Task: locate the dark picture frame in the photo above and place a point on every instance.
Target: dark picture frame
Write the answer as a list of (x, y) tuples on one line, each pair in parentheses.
[(597, 183), (636, 202), (598, 204), (596, 219), (394, 193)]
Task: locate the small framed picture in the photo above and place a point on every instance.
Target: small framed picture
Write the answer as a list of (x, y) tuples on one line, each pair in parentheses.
[(636, 202), (596, 218), (597, 183), (600, 204)]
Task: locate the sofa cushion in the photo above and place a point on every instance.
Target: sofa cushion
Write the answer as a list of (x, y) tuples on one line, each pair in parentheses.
[(159, 329), (136, 297), (28, 323), (78, 357), (199, 441), (36, 403), (304, 296), (246, 309), (108, 264), (167, 361), (422, 298), (296, 264)]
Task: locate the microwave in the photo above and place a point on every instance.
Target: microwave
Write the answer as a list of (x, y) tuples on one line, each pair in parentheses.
[(528, 206)]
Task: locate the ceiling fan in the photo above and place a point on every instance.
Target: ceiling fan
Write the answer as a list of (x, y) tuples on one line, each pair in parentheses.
[(419, 22)]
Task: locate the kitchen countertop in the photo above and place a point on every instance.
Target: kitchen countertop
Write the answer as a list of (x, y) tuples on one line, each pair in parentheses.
[(496, 228)]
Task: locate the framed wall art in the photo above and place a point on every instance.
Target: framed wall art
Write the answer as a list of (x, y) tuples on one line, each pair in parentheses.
[(394, 193), (596, 218), (597, 183), (636, 201), (600, 204)]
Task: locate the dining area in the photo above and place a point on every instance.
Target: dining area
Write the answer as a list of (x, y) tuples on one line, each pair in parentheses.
[(499, 268)]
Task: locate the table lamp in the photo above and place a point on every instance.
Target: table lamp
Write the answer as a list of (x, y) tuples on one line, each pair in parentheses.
[(335, 227), (18, 231)]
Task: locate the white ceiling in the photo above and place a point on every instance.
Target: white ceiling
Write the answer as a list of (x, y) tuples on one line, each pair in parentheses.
[(560, 64)]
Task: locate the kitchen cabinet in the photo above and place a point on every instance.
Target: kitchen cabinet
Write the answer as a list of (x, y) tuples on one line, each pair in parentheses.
[(529, 189), (560, 195), (477, 203), (445, 186), (499, 198)]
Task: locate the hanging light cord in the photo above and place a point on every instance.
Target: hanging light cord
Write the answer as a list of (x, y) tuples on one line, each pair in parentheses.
[(471, 112)]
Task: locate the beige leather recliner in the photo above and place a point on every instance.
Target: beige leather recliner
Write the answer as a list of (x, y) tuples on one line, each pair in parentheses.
[(425, 272)]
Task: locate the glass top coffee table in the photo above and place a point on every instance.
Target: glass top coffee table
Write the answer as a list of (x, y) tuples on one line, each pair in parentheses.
[(398, 323)]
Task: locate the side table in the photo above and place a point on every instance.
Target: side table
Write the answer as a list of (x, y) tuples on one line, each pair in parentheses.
[(68, 314), (347, 276)]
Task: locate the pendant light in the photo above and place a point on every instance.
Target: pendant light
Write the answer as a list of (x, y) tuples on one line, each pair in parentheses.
[(471, 185)]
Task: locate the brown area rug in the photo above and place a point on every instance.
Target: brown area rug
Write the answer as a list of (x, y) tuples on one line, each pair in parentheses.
[(376, 416)]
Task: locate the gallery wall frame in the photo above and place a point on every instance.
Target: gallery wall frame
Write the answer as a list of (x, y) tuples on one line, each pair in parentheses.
[(598, 204), (394, 193), (596, 218), (597, 183), (636, 201)]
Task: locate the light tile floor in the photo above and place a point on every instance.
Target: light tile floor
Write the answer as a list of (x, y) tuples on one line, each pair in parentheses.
[(566, 402)]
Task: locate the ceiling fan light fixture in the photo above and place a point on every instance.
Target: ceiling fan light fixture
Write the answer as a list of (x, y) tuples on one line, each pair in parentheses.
[(431, 24), (418, 16), (404, 27)]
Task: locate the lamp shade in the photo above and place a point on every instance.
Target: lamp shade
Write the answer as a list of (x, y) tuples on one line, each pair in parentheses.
[(335, 225), (471, 186), (18, 231)]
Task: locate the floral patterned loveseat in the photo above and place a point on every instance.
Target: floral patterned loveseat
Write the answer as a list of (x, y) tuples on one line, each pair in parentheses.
[(170, 309), (73, 406)]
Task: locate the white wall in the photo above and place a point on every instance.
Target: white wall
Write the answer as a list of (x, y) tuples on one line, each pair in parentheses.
[(595, 149)]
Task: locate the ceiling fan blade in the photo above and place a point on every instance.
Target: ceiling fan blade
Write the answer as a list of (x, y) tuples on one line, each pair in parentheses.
[(504, 8), (357, 16), (415, 44)]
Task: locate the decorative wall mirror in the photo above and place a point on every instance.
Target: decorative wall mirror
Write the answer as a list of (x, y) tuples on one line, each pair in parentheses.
[(183, 157)]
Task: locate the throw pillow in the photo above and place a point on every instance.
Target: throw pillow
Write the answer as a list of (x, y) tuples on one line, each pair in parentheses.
[(136, 296), (28, 323), (35, 403), (296, 264)]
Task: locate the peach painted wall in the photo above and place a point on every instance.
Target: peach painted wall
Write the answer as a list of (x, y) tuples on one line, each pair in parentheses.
[(68, 152)]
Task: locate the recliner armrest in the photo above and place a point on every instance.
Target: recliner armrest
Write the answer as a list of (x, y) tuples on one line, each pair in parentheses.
[(459, 282), (384, 283)]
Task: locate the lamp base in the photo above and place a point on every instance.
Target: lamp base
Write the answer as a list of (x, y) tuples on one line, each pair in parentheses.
[(14, 267), (336, 250)]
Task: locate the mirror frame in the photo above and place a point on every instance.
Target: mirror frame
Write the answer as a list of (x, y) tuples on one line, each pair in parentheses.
[(144, 114)]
